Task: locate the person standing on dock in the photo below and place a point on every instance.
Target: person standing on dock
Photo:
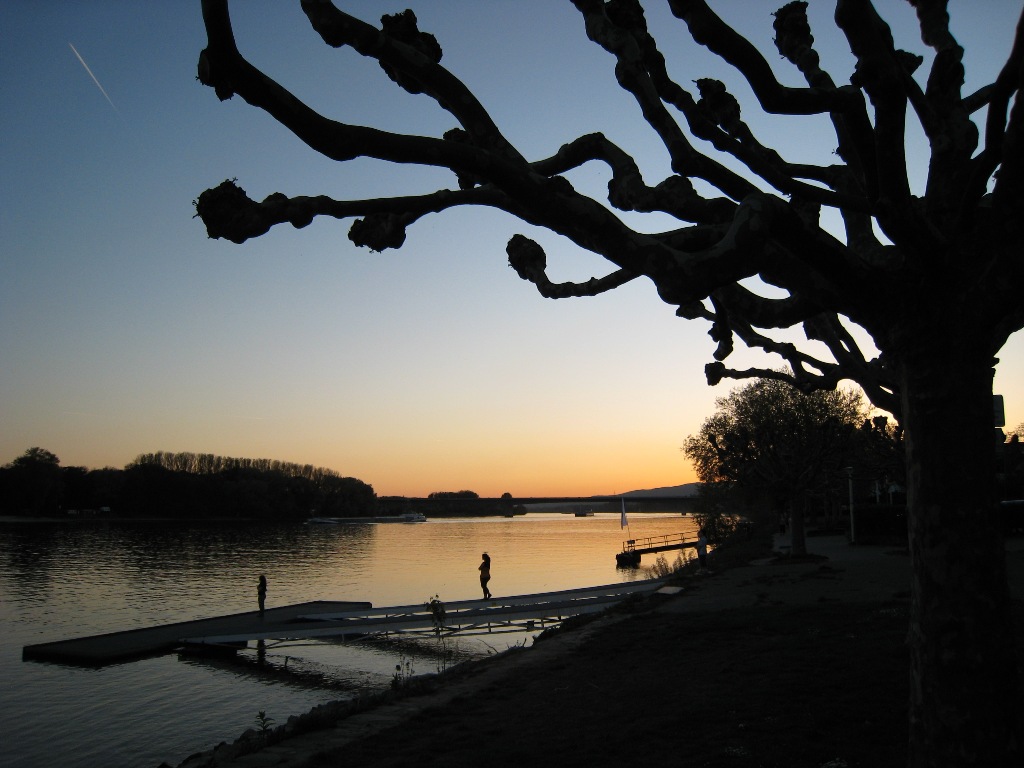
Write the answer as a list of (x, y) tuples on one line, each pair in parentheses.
[(702, 549), (485, 575), (261, 593)]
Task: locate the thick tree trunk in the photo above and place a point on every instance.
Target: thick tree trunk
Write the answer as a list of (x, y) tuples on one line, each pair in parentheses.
[(797, 529), (964, 700)]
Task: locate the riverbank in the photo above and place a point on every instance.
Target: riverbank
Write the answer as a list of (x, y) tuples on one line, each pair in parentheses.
[(775, 662)]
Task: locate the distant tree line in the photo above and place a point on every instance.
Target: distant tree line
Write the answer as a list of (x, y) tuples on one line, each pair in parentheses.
[(181, 485), (211, 464), (452, 504)]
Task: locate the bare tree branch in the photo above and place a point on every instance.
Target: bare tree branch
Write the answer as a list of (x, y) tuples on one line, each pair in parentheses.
[(228, 212), (1004, 140), (715, 118), (529, 261), (709, 30), (410, 58), (794, 42), (733, 315), (627, 190), (633, 73), (980, 98), (745, 234), (879, 73), (721, 109), (222, 67)]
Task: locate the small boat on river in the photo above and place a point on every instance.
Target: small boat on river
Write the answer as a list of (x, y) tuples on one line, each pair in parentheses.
[(407, 517)]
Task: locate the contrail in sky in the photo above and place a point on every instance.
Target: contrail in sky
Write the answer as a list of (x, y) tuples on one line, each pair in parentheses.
[(93, 77)]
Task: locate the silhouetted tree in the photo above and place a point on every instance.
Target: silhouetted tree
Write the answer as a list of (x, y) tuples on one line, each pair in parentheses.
[(777, 443), (879, 453), (936, 279), (453, 495), (76, 488), (32, 484)]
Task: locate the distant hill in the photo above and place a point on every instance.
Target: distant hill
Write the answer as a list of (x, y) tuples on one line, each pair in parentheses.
[(687, 489)]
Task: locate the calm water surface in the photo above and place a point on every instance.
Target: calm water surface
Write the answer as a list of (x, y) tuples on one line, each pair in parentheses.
[(64, 581)]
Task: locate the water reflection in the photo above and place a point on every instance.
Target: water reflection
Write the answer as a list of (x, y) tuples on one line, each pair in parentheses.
[(59, 582)]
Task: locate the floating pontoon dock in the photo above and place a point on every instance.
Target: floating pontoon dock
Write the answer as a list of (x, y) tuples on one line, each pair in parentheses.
[(325, 619), (98, 650), (632, 549)]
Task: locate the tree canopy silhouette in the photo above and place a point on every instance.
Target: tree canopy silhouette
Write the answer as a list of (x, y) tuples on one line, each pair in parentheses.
[(778, 442), (935, 278)]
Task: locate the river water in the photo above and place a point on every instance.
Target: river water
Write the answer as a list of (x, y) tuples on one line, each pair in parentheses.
[(59, 581)]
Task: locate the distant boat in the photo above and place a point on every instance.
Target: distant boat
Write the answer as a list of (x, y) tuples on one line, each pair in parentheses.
[(582, 513), (408, 517)]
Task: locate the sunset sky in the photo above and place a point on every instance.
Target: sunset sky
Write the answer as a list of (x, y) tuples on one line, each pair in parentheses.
[(125, 330)]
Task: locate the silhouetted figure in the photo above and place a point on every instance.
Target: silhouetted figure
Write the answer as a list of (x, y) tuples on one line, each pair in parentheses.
[(702, 549), (485, 575), (261, 593)]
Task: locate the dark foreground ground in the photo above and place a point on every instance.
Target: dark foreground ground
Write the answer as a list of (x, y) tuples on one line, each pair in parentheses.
[(763, 687), (775, 664)]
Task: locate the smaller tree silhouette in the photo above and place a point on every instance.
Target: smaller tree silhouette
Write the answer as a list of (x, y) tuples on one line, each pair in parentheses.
[(770, 438), (34, 483)]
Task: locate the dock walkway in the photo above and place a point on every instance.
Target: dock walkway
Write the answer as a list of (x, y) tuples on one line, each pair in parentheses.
[(515, 613), (114, 647), (336, 619)]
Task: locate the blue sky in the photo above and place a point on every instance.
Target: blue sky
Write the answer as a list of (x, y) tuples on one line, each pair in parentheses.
[(124, 329)]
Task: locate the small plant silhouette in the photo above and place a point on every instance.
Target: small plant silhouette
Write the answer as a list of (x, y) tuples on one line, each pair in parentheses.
[(403, 674), (437, 612), (448, 651), (264, 723), (661, 568)]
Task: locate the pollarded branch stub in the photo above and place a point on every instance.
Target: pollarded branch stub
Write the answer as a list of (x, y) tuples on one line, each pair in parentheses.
[(229, 213), (627, 191), (675, 196), (714, 373), (403, 28), (793, 37), (875, 72), (212, 71), (717, 104), (527, 258), (217, 61), (378, 231), (694, 310), (722, 333), (529, 261), (910, 62)]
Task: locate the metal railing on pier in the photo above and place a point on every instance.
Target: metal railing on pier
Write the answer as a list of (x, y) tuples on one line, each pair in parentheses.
[(658, 543), (632, 549)]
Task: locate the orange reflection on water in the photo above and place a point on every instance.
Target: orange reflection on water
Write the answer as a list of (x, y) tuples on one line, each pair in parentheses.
[(409, 563)]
